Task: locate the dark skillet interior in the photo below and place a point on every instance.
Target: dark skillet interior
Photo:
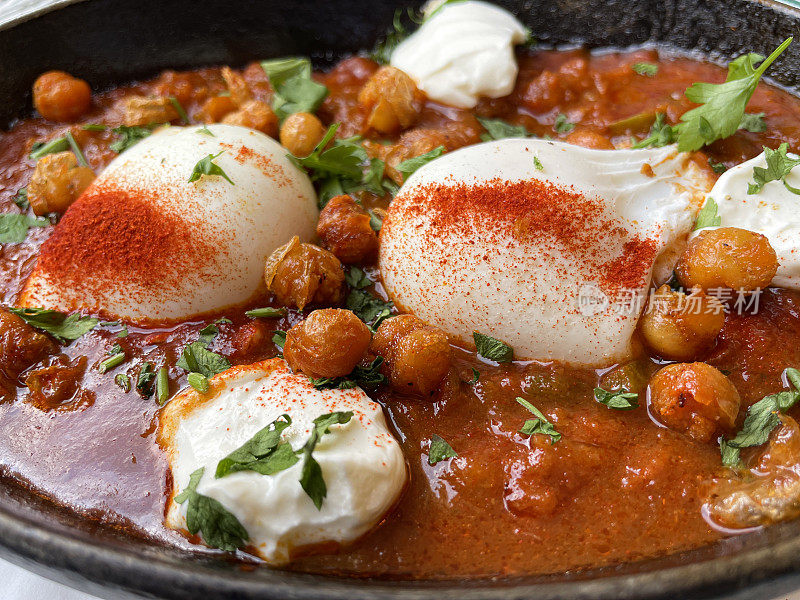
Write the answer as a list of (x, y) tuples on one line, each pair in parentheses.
[(113, 41)]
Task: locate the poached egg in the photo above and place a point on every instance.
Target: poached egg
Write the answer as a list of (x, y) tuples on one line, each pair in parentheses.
[(145, 243), (462, 51), (362, 464), (546, 246)]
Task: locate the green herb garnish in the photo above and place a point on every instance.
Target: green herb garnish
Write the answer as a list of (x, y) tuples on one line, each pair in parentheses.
[(129, 136), (220, 528), (266, 313), (753, 122), (179, 109), (497, 129), (198, 382), (76, 149), (708, 215), (439, 450), (538, 164), (111, 362), (311, 478), (94, 127), (196, 358), (206, 167), (492, 349), (617, 399), (367, 377), (21, 199), (204, 130), (295, 91), (476, 375), (162, 386), (40, 149), (263, 453), (373, 311), (410, 165), (123, 381), (538, 425), (779, 165), (279, 339), (14, 227), (356, 278), (61, 326), (562, 125), (762, 417), (660, 135), (144, 380), (645, 68)]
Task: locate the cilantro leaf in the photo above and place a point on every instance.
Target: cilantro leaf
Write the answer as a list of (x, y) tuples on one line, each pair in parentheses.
[(21, 199), (410, 165), (382, 53), (562, 125), (368, 308), (538, 425), (538, 164), (60, 325), (661, 134), (295, 91), (779, 165), (762, 417), (497, 129), (617, 399), (717, 167), (279, 339), (722, 105), (263, 453), (220, 529), (492, 349), (311, 478), (197, 359), (14, 227), (128, 137), (207, 167), (708, 215), (645, 68), (439, 450)]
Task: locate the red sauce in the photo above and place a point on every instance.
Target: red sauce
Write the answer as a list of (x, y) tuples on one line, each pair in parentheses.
[(615, 488)]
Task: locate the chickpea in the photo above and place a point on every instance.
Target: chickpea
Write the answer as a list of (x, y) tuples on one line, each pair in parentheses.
[(57, 182), (391, 99), (301, 132), (329, 343), (694, 398), (344, 229), (59, 96), (240, 93), (254, 115), (141, 111), (299, 274), (589, 138), (680, 327), (214, 109), (416, 356), (728, 257)]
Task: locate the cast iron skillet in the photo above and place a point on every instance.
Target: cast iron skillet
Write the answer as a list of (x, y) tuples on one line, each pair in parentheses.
[(113, 41)]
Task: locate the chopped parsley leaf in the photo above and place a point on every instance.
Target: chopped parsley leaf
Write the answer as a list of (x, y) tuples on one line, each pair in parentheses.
[(645, 68), (220, 529), (538, 164), (708, 215), (492, 348), (279, 339), (144, 380), (367, 377), (717, 167), (356, 278), (60, 325), (617, 399), (207, 167), (538, 425), (439, 450), (410, 165), (562, 125), (263, 453), (129, 136), (762, 417), (779, 165), (196, 358), (368, 308), (311, 478), (295, 90), (497, 129), (14, 227), (661, 134), (753, 122), (21, 199)]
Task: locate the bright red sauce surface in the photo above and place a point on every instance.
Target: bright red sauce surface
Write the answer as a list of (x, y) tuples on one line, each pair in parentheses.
[(616, 487)]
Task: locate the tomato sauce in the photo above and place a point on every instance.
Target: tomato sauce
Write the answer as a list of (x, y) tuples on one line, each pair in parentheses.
[(617, 487)]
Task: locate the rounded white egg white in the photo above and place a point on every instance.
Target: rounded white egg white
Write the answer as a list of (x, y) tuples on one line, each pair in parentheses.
[(362, 464), (145, 243), (573, 296), (773, 212)]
